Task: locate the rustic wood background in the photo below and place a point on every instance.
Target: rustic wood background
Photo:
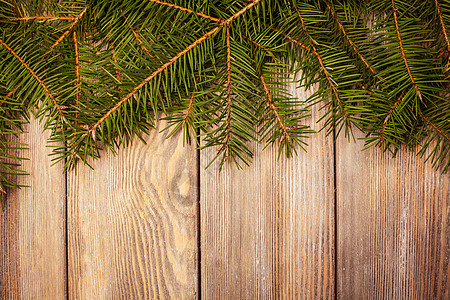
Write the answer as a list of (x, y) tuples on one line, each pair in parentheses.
[(153, 223)]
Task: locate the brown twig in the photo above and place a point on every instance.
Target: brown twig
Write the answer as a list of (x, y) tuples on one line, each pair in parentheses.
[(77, 71), (228, 131), (187, 10), (402, 49), (275, 111), (189, 109), (61, 38), (166, 65), (39, 80), (7, 96), (327, 75), (352, 44), (442, 24), (292, 39), (388, 117), (259, 45), (115, 60), (434, 126), (138, 39), (38, 18)]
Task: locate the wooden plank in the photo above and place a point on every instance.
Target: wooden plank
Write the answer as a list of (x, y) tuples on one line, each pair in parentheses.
[(393, 222), (132, 227), (267, 231), (32, 227)]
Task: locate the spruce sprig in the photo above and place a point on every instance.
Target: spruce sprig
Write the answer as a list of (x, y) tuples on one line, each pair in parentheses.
[(99, 72)]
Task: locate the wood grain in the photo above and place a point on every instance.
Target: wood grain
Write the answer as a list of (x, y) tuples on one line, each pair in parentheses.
[(133, 223), (393, 226), (267, 230), (32, 227)]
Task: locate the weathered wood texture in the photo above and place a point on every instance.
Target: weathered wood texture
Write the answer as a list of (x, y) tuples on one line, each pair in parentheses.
[(267, 231), (393, 226), (32, 227), (132, 228)]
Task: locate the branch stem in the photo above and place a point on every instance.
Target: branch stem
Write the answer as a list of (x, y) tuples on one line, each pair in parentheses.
[(271, 103), (166, 65), (61, 38), (77, 72), (434, 126), (442, 24), (228, 131), (388, 117), (38, 79), (325, 71), (186, 10), (38, 18), (402, 49), (138, 39), (350, 41)]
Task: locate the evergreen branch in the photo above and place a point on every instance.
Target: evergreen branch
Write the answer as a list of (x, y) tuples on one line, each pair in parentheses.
[(228, 131), (166, 65), (39, 80), (62, 37), (77, 73), (253, 3), (189, 108), (322, 65), (113, 52), (325, 71), (187, 10), (352, 44), (388, 116), (434, 126), (38, 18), (293, 40), (154, 74), (271, 103), (259, 45), (222, 80), (402, 49), (442, 24), (138, 39), (184, 120), (7, 96)]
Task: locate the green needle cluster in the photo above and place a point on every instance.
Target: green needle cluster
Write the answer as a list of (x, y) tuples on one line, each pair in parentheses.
[(99, 72)]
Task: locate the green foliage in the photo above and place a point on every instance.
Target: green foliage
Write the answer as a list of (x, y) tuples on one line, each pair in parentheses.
[(99, 72)]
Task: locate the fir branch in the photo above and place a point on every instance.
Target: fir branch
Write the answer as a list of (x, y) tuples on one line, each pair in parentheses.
[(153, 75), (38, 18), (187, 10), (189, 109), (259, 45), (228, 107), (38, 79), (298, 43), (7, 96), (442, 133), (138, 39), (242, 11), (325, 71), (166, 65), (402, 49), (77, 73), (388, 116), (218, 79), (113, 52), (350, 41), (63, 36), (271, 103), (444, 29)]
